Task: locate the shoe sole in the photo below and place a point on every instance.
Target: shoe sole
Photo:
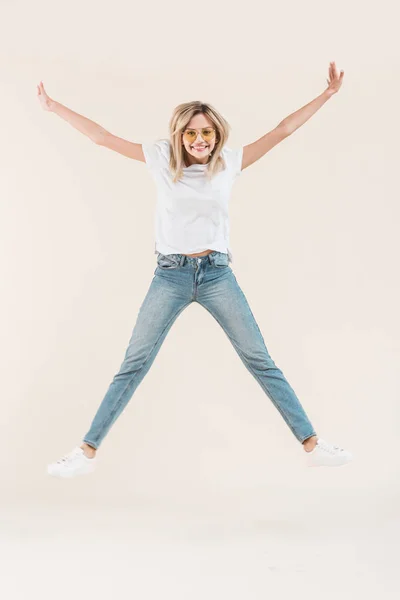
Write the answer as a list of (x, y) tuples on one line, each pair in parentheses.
[(68, 475), (330, 465)]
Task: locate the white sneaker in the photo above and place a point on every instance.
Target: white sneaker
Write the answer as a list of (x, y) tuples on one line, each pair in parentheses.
[(327, 455), (72, 464)]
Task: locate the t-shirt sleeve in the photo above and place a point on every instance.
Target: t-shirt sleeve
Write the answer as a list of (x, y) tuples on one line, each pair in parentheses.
[(234, 157), (156, 154)]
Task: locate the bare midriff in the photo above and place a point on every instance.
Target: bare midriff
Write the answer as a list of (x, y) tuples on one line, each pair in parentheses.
[(204, 253)]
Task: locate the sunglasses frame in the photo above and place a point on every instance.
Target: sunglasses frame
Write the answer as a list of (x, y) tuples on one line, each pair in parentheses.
[(201, 129)]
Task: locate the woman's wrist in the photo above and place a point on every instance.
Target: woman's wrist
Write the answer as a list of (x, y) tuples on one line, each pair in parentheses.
[(328, 93)]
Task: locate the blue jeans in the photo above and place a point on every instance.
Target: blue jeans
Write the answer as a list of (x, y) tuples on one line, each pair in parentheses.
[(209, 280)]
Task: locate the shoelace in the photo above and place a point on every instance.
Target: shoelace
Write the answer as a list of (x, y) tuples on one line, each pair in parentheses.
[(330, 449), (67, 457)]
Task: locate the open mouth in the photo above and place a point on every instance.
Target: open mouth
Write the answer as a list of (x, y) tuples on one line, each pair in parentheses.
[(199, 148)]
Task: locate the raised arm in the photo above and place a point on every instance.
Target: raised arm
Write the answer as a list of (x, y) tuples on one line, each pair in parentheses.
[(257, 149), (91, 129), (118, 144)]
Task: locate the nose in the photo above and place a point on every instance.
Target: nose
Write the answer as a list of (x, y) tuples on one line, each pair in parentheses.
[(199, 136)]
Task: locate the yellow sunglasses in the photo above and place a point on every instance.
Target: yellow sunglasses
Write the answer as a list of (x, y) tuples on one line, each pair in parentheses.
[(207, 133)]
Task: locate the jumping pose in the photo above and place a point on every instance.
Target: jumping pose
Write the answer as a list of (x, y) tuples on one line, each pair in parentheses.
[(194, 172)]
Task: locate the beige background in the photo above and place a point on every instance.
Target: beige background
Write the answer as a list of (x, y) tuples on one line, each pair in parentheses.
[(201, 490)]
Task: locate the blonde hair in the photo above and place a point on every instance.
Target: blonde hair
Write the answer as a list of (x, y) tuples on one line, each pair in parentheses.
[(180, 118)]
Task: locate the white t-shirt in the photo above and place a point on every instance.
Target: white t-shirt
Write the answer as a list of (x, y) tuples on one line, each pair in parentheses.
[(191, 214)]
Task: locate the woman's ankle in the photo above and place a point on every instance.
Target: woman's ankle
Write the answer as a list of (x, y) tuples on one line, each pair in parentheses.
[(88, 450), (310, 443)]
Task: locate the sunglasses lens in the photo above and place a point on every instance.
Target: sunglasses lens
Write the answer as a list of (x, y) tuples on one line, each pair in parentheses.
[(208, 134), (191, 134)]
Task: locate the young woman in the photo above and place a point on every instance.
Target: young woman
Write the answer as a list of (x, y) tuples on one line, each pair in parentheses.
[(194, 172)]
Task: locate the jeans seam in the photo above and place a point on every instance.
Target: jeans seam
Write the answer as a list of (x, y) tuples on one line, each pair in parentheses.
[(255, 375), (106, 421)]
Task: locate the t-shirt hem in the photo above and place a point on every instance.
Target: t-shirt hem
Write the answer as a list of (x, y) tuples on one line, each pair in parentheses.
[(226, 250)]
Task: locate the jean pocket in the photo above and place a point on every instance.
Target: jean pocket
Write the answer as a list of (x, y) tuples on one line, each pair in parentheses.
[(221, 260), (165, 261)]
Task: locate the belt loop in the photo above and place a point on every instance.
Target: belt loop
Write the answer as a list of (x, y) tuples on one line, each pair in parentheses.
[(210, 258), (182, 260)]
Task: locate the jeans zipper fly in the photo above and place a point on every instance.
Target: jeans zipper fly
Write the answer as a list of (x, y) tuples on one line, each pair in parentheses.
[(195, 272)]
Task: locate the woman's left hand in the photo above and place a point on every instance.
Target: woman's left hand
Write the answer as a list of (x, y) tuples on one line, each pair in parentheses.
[(335, 80)]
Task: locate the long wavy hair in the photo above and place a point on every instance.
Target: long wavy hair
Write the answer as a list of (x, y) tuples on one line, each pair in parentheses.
[(180, 118)]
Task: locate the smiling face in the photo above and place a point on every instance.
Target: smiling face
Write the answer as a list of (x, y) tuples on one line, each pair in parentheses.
[(198, 149)]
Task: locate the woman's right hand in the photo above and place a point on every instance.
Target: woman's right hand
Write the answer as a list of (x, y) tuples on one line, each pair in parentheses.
[(45, 100)]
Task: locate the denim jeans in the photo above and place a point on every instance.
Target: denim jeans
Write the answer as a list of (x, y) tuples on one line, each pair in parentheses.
[(209, 280)]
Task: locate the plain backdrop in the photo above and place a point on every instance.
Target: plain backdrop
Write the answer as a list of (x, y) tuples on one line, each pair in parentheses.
[(314, 236)]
